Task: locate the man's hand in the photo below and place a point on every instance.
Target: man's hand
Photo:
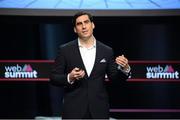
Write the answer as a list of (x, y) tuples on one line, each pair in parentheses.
[(76, 74), (123, 62)]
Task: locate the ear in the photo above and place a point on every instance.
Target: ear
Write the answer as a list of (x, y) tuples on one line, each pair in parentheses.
[(75, 30), (93, 25)]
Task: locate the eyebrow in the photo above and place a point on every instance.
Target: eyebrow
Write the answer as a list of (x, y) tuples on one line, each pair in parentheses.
[(78, 23)]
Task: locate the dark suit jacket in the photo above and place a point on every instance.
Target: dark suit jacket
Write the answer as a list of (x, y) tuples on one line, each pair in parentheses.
[(88, 91)]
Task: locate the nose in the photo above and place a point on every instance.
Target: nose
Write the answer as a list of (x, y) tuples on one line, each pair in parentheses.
[(84, 25)]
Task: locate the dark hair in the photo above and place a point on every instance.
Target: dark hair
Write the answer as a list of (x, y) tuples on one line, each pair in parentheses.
[(80, 14)]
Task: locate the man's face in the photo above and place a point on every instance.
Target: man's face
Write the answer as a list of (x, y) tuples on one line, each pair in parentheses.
[(84, 27)]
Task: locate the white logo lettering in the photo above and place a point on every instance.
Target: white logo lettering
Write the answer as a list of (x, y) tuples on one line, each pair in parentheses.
[(159, 72), (20, 72)]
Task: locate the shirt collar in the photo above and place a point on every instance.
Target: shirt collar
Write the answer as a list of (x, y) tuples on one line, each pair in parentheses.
[(81, 46)]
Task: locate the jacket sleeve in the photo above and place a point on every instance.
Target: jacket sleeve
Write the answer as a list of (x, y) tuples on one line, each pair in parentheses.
[(113, 72), (58, 75)]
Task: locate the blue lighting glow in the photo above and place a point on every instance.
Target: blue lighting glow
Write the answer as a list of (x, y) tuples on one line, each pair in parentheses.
[(92, 4)]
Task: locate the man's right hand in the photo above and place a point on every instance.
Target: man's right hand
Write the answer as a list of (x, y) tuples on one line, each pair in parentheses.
[(76, 74)]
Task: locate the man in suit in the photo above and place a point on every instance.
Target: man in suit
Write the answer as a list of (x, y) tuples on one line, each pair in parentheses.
[(81, 66)]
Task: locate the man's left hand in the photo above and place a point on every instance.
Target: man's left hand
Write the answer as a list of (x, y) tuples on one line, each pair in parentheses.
[(123, 62)]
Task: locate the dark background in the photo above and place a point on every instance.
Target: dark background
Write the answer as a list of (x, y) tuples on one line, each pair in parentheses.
[(138, 38)]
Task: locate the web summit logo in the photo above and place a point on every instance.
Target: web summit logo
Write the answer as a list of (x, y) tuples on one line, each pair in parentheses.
[(159, 72), (17, 71)]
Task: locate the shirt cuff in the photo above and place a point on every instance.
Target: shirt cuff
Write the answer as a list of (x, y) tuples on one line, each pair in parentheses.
[(70, 82), (126, 71)]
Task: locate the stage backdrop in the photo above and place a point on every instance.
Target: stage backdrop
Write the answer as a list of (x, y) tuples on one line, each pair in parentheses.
[(29, 46)]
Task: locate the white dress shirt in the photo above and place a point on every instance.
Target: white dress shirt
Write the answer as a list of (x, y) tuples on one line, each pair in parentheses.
[(88, 56)]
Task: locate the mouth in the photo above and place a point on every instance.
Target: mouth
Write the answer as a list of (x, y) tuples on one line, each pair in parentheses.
[(85, 32)]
